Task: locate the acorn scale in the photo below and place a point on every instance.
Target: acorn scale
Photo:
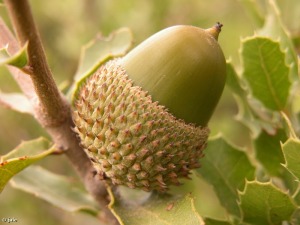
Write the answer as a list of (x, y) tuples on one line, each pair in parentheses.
[(142, 119)]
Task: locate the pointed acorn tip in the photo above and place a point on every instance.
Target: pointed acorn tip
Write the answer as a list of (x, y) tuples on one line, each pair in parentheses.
[(215, 30)]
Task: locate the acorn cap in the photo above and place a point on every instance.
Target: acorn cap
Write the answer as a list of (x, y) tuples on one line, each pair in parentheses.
[(183, 68)]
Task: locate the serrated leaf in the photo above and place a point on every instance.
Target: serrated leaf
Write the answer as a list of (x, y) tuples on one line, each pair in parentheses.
[(25, 154), (275, 29), (263, 203), (16, 101), (58, 190), (291, 152), (158, 210), (266, 71), (97, 52), (268, 151), (19, 59), (226, 167)]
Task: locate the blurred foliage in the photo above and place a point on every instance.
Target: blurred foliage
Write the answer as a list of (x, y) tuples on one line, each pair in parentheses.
[(67, 25)]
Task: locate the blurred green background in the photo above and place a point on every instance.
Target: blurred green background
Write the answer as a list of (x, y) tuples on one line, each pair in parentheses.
[(67, 25)]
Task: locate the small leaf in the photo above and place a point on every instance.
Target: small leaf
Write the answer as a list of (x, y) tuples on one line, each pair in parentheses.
[(19, 59), (263, 203), (266, 71), (97, 52), (225, 167), (25, 154), (56, 189), (268, 151), (291, 152), (17, 102), (158, 210)]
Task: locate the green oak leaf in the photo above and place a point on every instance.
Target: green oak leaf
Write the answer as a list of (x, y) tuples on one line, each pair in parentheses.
[(226, 167), (58, 190), (97, 52), (25, 154), (266, 71), (158, 210), (263, 203)]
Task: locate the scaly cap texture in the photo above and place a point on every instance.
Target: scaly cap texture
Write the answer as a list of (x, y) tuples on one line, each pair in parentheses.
[(131, 139)]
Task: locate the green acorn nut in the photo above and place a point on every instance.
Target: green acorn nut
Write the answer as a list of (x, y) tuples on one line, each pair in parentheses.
[(142, 119)]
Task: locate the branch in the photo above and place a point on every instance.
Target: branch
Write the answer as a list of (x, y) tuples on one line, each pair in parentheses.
[(50, 108), (45, 87)]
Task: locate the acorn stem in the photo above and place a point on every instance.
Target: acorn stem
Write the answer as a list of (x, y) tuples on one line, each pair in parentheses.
[(215, 30)]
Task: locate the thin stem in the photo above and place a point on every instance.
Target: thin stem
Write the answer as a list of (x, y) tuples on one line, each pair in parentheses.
[(52, 107)]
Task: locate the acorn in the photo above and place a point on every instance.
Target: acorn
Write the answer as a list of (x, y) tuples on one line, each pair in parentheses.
[(142, 119)]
